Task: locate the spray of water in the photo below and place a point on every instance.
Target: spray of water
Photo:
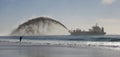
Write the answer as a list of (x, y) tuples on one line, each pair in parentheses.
[(40, 26)]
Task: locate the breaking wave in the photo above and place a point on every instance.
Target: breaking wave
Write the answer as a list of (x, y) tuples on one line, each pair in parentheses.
[(68, 41)]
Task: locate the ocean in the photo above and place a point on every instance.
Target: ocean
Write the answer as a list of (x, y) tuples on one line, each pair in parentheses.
[(60, 46)]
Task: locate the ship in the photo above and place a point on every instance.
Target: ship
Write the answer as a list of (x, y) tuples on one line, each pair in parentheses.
[(96, 30)]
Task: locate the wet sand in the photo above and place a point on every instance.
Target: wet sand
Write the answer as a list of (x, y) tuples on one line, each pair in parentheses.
[(55, 51)]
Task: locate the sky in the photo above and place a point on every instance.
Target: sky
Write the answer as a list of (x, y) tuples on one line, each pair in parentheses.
[(73, 14)]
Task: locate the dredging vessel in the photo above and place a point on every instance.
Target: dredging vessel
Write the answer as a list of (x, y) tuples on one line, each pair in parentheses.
[(96, 30)]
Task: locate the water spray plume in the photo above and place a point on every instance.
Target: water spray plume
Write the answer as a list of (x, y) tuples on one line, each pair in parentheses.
[(40, 26)]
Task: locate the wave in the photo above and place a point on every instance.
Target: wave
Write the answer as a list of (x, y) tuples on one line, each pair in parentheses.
[(75, 38), (113, 45), (112, 42)]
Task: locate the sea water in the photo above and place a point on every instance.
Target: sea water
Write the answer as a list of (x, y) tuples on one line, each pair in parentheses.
[(60, 46), (112, 41)]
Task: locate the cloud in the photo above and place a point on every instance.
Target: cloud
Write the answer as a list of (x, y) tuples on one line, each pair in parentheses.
[(108, 2)]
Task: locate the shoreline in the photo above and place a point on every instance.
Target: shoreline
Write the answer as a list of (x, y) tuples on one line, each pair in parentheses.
[(55, 51), (71, 44)]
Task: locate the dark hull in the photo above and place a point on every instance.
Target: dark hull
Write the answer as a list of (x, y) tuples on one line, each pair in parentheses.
[(88, 33)]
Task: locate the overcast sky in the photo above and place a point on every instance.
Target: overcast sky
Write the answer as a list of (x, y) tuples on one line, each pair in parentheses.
[(72, 13)]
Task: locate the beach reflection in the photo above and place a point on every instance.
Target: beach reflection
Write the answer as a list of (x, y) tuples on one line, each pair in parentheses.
[(52, 51)]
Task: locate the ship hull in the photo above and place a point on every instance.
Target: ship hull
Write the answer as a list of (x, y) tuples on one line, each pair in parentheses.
[(88, 33)]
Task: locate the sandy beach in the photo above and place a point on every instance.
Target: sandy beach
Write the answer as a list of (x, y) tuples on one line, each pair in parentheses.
[(57, 48), (55, 51)]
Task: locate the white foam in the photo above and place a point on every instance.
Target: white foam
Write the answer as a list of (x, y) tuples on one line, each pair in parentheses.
[(111, 45)]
